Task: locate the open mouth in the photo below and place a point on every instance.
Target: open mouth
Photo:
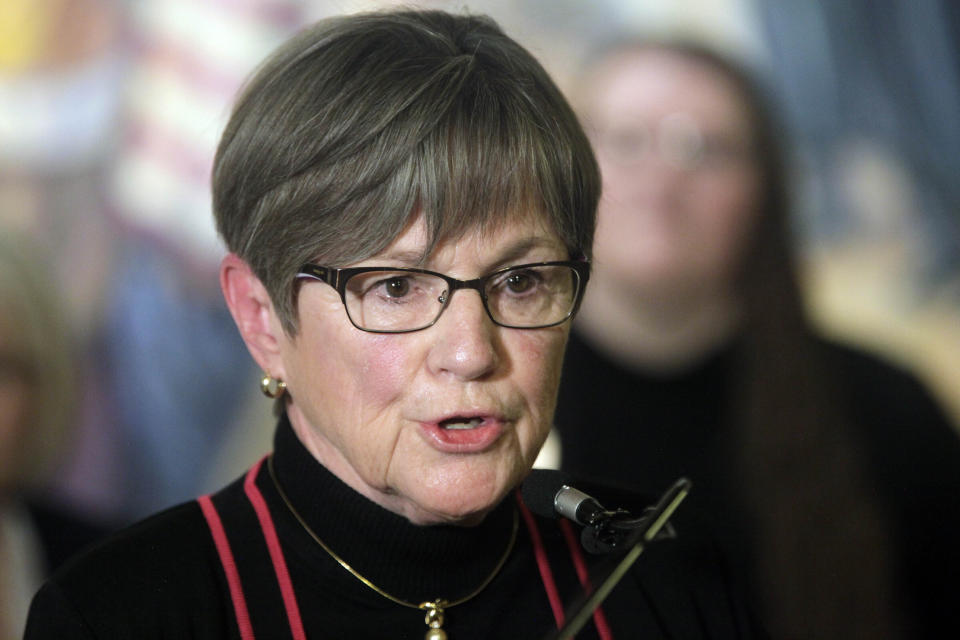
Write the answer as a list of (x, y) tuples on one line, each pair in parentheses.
[(455, 424), (464, 433)]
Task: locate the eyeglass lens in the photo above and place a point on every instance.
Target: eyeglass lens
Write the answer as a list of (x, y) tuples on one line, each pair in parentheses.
[(526, 297)]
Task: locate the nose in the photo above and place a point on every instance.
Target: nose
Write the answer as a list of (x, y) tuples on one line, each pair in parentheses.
[(466, 344)]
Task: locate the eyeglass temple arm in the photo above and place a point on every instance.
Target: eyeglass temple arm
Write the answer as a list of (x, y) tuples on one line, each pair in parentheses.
[(330, 276)]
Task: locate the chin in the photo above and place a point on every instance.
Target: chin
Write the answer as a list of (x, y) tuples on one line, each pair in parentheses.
[(447, 505)]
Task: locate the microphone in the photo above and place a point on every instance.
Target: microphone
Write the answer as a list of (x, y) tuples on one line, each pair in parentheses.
[(549, 493)]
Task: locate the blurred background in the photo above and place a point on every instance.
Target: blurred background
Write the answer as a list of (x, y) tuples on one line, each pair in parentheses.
[(110, 112)]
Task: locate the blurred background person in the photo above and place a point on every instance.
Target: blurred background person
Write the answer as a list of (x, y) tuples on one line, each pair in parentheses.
[(831, 476), (165, 329), (61, 74), (109, 114), (37, 400)]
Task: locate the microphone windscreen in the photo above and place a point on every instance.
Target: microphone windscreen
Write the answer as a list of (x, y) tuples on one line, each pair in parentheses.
[(539, 490)]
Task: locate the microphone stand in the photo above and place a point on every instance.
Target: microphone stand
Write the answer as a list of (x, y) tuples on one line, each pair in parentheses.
[(658, 517)]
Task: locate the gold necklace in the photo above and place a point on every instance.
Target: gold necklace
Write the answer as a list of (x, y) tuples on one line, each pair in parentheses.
[(434, 609)]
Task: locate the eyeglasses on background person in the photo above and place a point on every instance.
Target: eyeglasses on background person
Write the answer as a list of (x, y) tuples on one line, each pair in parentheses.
[(401, 300), (677, 139)]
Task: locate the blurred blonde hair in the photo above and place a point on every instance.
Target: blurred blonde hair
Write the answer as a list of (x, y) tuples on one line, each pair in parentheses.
[(40, 344)]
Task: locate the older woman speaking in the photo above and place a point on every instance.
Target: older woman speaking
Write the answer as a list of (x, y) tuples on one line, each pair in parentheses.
[(409, 206)]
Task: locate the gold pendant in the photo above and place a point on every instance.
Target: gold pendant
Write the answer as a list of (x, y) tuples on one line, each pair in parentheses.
[(434, 619)]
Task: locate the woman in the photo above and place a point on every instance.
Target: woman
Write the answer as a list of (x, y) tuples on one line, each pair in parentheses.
[(37, 389), (831, 476), (409, 205)]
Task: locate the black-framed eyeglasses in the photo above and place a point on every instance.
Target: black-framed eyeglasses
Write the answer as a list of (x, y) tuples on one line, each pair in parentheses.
[(400, 300)]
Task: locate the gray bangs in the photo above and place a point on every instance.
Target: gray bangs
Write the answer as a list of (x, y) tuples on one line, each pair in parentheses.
[(466, 154), (493, 159)]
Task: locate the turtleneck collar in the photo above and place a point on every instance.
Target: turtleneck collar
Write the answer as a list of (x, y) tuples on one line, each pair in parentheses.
[(408, 561)]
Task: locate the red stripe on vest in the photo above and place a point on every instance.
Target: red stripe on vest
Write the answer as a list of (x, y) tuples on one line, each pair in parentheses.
[(276, 553), (543, 564), (229, 566), (599, 617)]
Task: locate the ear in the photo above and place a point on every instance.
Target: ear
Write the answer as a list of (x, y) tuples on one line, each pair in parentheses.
[(253, 311)]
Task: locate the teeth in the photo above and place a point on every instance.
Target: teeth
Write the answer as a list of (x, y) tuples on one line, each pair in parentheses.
[(470, 424)]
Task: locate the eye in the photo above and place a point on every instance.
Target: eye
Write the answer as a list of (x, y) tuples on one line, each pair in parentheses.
[(396, 287), (520, 282)]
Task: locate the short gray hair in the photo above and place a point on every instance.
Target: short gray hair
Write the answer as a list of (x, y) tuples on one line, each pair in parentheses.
[(362, 121)]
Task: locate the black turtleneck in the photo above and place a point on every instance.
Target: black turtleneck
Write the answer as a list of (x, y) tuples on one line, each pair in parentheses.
[(412, 563), (162, 578)]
